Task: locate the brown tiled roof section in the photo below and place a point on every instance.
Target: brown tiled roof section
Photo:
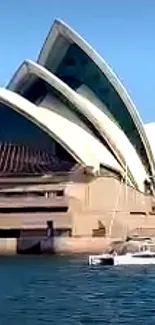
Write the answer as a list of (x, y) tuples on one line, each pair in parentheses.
[(20, 160)]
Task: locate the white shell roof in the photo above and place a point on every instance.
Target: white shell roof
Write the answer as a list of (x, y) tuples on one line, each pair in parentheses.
[(150, 131), (123, 148), (116, 139), (61, 31), (77, 141)]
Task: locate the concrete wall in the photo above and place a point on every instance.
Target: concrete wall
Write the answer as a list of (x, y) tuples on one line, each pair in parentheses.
[(122, 210), (107, 200)]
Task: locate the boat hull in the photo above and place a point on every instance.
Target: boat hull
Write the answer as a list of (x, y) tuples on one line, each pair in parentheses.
[(131, 260), (128, 259)]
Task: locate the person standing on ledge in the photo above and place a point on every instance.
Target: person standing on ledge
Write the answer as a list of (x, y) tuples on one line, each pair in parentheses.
[(49, 232)]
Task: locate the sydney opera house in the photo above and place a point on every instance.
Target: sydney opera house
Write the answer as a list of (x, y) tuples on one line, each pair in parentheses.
[(73, 150)]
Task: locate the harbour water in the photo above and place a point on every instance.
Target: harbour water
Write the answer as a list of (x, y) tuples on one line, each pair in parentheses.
[(64, 290)]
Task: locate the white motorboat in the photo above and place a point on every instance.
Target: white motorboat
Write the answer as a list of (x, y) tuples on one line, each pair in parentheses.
[(139, 258)]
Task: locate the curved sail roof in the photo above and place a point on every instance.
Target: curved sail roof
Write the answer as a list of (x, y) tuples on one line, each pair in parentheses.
[(114, 136), (78, 142), (68, 56), (150, 131)]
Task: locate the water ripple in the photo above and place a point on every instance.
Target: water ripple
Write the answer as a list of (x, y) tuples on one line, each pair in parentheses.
[(66, 291)]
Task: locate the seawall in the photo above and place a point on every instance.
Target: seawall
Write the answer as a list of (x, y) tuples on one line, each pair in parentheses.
[(79, 245), (59, 245)]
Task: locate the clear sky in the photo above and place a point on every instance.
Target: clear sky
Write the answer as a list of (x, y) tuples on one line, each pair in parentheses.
[(122, 31)]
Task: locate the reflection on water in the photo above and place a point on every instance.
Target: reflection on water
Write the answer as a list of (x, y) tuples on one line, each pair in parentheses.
[(63, 290)]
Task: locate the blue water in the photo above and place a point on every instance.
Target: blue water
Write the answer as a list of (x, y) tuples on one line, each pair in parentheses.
[(63, 290)]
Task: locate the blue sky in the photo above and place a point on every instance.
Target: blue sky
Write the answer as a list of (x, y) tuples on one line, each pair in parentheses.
[(122, 31)]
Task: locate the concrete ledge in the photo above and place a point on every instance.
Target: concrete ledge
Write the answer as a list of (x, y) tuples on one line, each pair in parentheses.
[(59, 245)]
